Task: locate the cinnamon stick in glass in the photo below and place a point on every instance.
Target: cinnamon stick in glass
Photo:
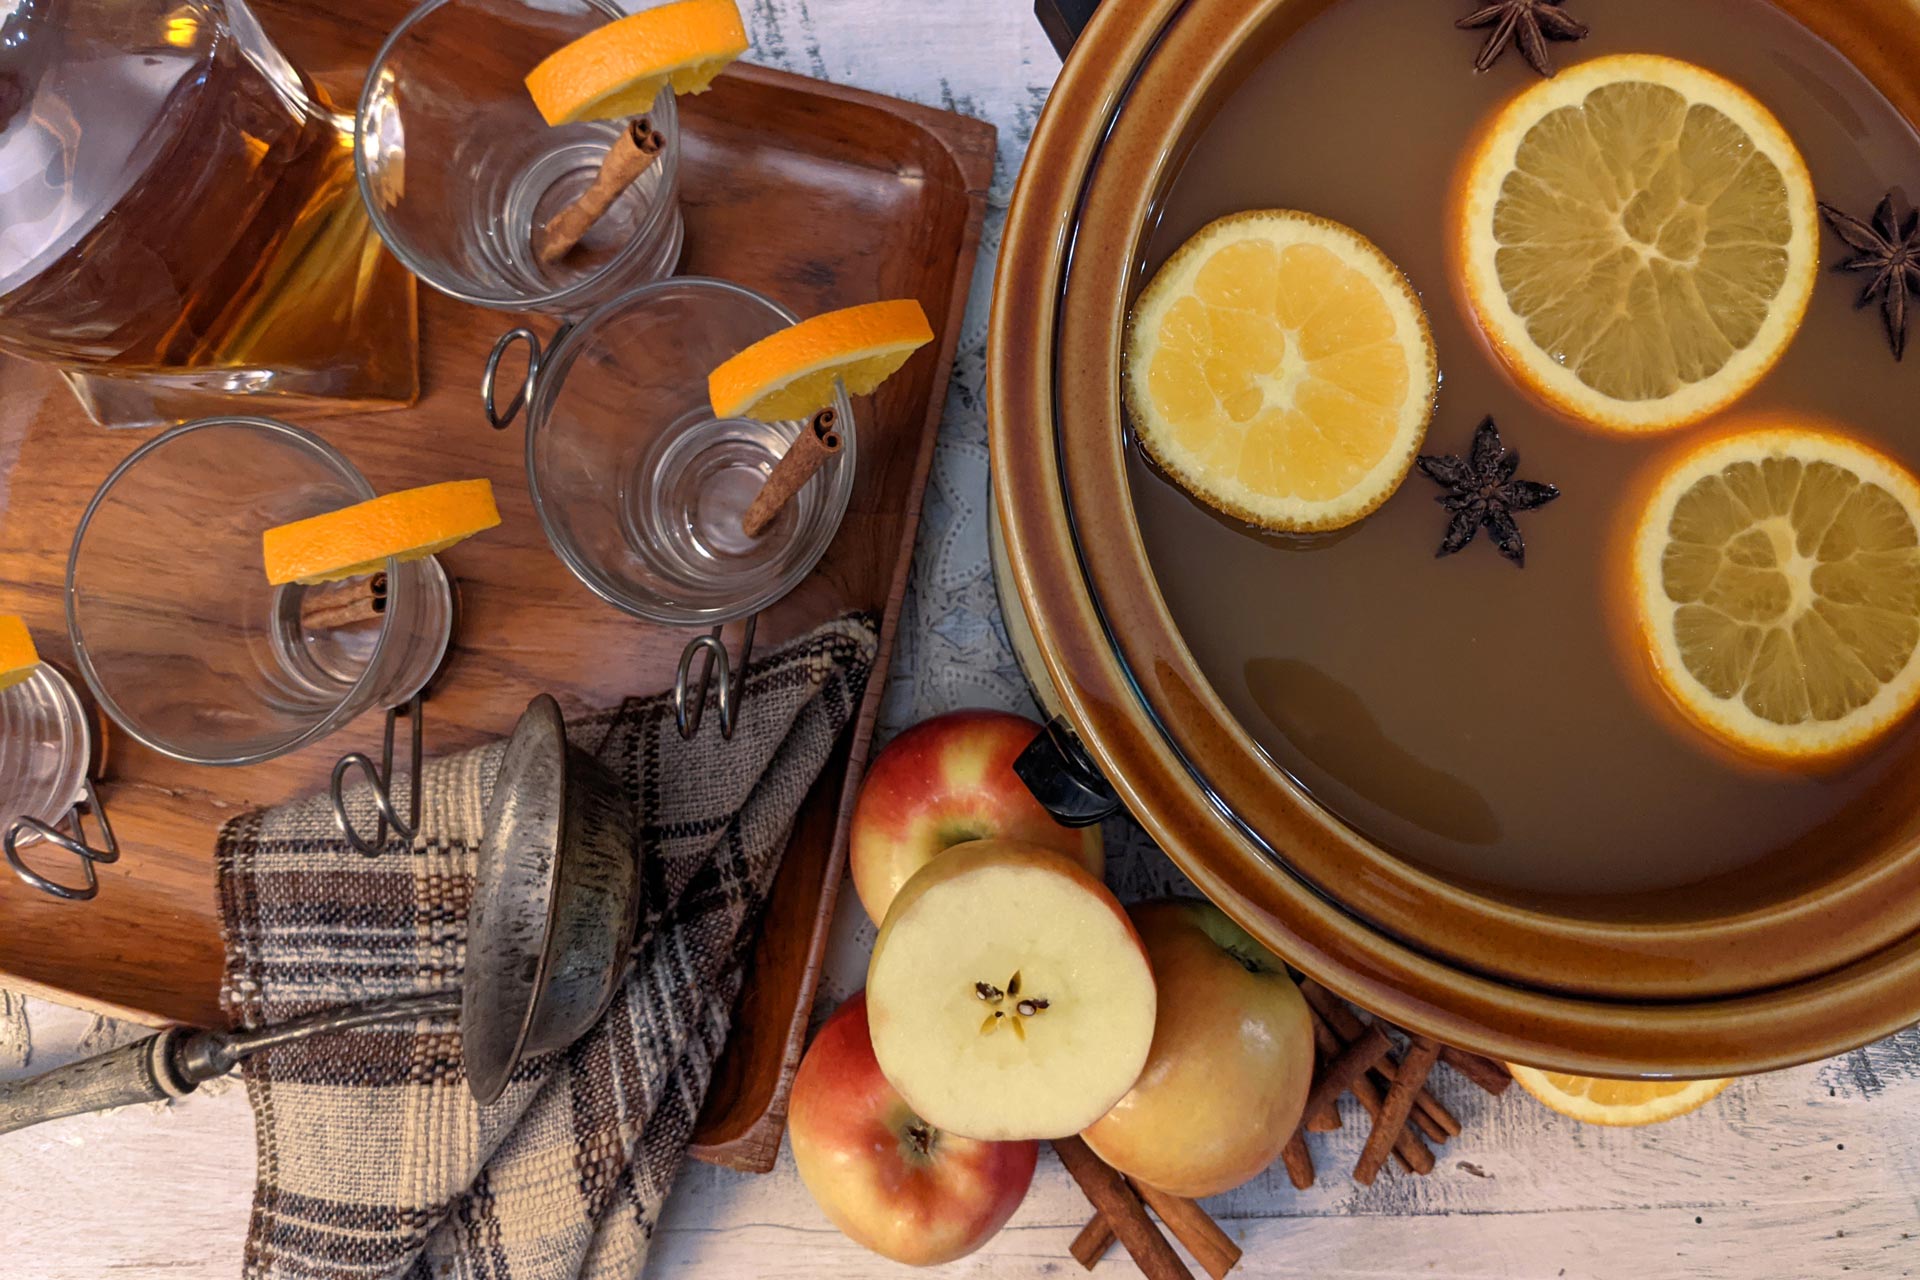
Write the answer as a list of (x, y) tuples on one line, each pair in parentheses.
[(631, 155), (343, 604), (817, 441)]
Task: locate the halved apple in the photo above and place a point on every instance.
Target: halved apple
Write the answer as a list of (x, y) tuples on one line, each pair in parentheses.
[(1009, 996)]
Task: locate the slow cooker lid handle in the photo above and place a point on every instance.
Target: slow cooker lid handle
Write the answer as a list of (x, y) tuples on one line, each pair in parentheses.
[(1064, 778), (1064, 20)]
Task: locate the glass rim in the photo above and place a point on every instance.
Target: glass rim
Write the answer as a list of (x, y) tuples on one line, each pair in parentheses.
[(83, 657), (539, 406), (669, 167)]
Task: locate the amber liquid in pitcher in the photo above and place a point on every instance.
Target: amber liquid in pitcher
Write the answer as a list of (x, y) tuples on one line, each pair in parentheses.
[(1494, 724), (208, 238)]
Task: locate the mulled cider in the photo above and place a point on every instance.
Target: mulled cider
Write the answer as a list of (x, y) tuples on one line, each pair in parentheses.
[(1676, 636)]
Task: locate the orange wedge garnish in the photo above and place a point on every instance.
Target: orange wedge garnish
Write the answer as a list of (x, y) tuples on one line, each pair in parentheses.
[(790, 374), (18, 658), (361, 539), (617, 70)]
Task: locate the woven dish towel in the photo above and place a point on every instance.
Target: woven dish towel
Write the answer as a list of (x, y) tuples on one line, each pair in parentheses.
[(374, 1160)]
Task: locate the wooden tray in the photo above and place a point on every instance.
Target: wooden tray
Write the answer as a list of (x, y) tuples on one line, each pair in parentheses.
[(816, 195)]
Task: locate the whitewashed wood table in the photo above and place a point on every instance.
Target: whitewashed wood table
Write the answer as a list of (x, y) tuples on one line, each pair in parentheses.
[(1813, 1172)]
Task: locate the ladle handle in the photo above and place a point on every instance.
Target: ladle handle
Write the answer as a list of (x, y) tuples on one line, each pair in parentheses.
[(143, 1071), (1064, 20)]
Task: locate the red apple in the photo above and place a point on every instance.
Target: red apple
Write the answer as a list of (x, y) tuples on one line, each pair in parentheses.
[(887, 1178), (944, 782), (1226, 1079)]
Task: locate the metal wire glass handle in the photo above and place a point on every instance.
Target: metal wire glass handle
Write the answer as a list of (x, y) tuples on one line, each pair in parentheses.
[(381, 780), (74, 843), (501, 419), (689, 706)]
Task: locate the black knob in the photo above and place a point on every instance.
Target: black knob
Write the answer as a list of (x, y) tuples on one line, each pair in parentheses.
[(1064, 778)]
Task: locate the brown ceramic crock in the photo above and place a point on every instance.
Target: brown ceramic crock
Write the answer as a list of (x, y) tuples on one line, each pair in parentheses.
[(1807, 957)]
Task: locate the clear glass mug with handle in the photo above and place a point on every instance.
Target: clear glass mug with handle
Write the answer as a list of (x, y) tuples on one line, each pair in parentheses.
[(460, 173), (641, 488), (189, 649), (46, 784), (178, 220)]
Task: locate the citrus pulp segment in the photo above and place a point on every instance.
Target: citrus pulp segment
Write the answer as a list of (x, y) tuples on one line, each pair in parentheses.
[(1616, 1102), (1280, 368), (1776, 583), (1638, 240)]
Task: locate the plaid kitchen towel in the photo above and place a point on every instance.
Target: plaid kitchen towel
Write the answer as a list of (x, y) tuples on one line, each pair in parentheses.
[(374, 1160)]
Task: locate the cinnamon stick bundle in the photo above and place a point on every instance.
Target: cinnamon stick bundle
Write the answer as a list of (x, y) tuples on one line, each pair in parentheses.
[(1190, 1224), (1120, 1205), (817, 442), (631, 155)]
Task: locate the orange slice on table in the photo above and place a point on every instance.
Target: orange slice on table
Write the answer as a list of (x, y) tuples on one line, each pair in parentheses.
[(1617, 1102), (18, 658), (1638, 240), (1776, 582), (790, 374), (617, 70), (1280, 368), (360, 539)]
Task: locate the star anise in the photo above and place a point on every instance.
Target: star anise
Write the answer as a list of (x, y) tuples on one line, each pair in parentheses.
[(1889, 247), (1527, 23), (1482, 494)]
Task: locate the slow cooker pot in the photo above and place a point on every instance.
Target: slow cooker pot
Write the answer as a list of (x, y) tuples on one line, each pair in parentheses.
[(1748, 973)]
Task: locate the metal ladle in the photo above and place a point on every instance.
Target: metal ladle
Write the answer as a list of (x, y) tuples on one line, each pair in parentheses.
[(557, 901)]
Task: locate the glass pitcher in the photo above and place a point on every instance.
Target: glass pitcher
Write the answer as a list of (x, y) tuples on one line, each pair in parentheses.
[(179, 221)]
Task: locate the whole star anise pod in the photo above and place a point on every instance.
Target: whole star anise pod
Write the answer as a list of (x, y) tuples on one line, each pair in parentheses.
[(1482, 494), (1889, 247), (1527, 23)]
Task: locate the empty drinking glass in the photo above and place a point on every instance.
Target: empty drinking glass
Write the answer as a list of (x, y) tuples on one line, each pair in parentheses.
[(459, 171), (176, 629), (640, 488), (46, 746)]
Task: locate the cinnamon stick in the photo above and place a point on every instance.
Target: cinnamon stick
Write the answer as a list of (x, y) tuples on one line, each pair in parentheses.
[(1485, 1072), (1342, 1023), (1117, 1202), (817, 441), (1299, 1162), (1409, 1152), (631, 155), (1092, 1243), (1348, 1070), (342, 604), (1328, 1046), (1193, 1227), (1390, 1123)]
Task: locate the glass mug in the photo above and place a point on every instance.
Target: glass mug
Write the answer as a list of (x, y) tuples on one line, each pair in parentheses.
[(46, 751), (178, 219), (459, 170), (191, 651), (641, 489)]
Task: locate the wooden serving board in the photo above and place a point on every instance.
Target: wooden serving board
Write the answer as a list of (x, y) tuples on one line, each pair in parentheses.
[(816, 195)]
